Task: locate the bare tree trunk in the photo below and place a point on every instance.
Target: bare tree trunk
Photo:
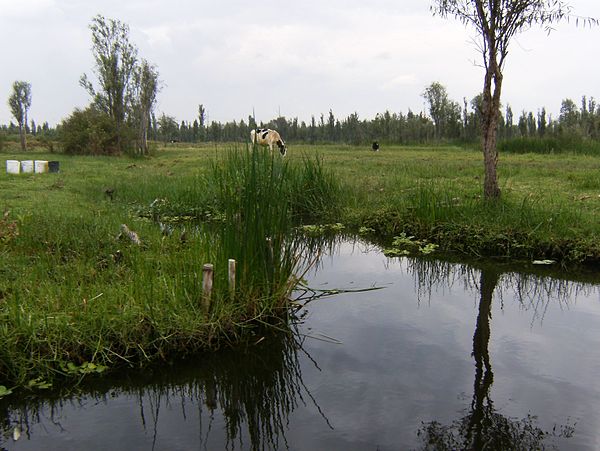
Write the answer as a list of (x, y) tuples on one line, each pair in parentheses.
[(143, 138), (22, 134), (491, 111)]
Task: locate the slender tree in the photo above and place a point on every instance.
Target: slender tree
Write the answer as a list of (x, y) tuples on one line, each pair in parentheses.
[(115, 59), (19, 103), (202, 122), (496, 23), (509, 122), (167, 127), (437, 98), (145, 89)]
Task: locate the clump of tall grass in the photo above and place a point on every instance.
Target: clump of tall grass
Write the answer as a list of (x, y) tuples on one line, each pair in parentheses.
[(261, 197), (253, 199), (315, 192)]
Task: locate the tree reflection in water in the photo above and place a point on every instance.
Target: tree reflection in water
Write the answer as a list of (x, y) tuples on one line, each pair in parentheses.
[(483, 427), (254, 391)]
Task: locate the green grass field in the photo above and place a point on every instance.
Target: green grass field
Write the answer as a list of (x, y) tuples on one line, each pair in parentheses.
[(75, 297)]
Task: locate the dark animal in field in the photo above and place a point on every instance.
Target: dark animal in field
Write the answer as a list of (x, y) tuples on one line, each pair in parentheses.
[(375, 146), (268, 137)]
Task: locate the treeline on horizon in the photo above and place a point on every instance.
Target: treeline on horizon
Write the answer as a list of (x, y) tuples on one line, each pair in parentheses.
[(120, 117), (451, 124)]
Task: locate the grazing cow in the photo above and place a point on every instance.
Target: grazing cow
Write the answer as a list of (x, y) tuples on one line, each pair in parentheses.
[(267, 137), (375, 146)]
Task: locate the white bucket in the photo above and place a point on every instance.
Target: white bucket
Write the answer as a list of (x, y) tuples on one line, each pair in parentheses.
[(41, 166), (27, 166), (13, 166)]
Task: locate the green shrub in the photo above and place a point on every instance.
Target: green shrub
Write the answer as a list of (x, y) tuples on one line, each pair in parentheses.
[(89, 132)]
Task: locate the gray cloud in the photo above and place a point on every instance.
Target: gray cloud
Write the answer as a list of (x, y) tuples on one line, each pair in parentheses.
[(300, 58)]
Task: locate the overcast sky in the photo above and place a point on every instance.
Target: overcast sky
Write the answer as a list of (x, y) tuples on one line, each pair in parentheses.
[(297, 58)]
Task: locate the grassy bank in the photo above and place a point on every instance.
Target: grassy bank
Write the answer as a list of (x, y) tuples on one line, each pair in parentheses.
[(76, 295), (549, 206)]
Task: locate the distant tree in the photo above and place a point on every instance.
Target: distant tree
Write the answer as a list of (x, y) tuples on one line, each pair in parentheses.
[(496, 23), (331, 127), (312, 130), (145, 88), (195, 130), (167, 127), (541, 126), (19, 103), (154, 126), (593, 118), (115, 59), (439, 106), (569, 115), (183, 132), (509, 122), (531, 128), (523, 124), (353, 129), (201, 122), (475, 117), (321, 128), (252, 122), (215, 131)]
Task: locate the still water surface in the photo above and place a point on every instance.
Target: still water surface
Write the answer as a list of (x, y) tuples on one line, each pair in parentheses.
[(443, 356)]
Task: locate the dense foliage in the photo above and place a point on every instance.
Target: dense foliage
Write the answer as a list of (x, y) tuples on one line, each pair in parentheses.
[(89, 132), (577, 128), (457, 124)]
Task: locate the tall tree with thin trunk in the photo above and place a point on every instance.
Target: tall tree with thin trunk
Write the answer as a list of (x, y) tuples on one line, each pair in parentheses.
[(202, 122), (496, 23), (115, 60), (437, 97), (19, 103), (145, 88)]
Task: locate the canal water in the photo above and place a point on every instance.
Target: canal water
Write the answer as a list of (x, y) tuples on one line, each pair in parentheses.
[(407, 354)]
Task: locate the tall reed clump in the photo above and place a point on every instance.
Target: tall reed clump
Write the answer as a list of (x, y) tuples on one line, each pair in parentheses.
[(315, 192), (253, 197)]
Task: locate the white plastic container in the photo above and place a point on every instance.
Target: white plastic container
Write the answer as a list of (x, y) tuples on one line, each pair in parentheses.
[(27, 166), (40, 166), (13, 166)]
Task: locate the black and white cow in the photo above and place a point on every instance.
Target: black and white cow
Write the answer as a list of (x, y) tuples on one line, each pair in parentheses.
[(268, 137)]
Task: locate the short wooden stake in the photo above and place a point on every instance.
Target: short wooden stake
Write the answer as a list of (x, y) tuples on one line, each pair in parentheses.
[(231, 277), (207, 284)]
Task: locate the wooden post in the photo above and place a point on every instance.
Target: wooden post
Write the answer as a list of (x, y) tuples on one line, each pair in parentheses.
[(207, 284), (231, 277)]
